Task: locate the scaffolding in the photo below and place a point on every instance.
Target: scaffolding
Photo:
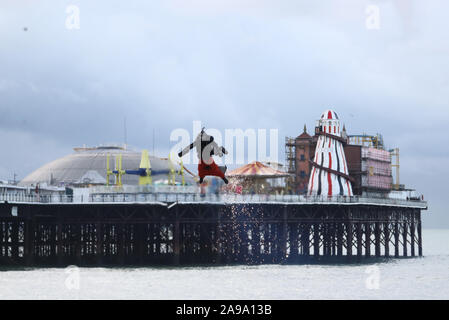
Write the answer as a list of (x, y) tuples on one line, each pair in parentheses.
[(365, 140), (395, 153), (290, 160)]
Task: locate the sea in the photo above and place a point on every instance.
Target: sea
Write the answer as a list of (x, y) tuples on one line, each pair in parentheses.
[(413, 278)]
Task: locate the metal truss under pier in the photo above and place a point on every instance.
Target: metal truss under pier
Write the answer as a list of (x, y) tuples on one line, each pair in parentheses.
[(92, 234)]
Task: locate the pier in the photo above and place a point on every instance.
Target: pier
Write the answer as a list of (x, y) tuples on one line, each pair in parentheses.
[(187, 229)]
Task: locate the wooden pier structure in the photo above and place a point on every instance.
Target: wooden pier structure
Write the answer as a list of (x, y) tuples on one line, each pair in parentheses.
[(194, 233)]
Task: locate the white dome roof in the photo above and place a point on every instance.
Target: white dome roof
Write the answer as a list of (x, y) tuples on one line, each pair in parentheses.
[(88, 165)]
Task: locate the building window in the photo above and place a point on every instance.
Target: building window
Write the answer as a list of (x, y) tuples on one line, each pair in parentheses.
[(302, 157), (302, 174)]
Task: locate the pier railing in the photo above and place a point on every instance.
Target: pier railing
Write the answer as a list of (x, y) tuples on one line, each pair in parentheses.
[(164, 198)]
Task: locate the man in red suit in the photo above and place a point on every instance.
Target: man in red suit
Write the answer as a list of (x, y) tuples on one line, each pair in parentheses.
[(206, 147)]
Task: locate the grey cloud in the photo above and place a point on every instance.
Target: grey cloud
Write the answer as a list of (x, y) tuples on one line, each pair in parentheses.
[(231, 64)]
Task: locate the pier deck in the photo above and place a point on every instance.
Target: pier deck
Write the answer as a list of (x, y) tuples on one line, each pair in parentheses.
[(189, 229)]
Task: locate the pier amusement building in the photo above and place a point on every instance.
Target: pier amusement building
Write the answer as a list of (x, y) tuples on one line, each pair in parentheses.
[(340, 203)]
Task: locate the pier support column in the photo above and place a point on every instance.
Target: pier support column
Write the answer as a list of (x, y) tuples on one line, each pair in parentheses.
[(419, 235), (121, 243), (53, 242), (2, 237), (293, 239), (404, 238), (305, 239), (244, 242), (387, 238), (16, 231), (349, 239), (29, 241), (59, 243), (316, 239), (203, 242), (255, 243), (327, 239), (339, 239), (270, 241), (151, 241), (412, 237), (377, 235), (283, 236), (218, 239), (367, 239), (331, 231), (396, 239), (176, 245), (157, 229), (15, 240), (139, 242), (267, 245), (106, 241), (79, 242), (230, 242), (99, 243), (359, 241), (324, 234), (276, 236)]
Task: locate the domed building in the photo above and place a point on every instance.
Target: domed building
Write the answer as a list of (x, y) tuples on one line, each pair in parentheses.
[(87, 166)]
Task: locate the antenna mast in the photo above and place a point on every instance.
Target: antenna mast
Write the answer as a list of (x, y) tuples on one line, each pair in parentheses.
[(153, 142), (125, 133)]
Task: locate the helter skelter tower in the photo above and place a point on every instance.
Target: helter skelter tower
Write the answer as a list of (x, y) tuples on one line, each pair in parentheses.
[(329, 175)]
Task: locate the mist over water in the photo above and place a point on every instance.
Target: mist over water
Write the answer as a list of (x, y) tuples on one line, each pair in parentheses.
[(418, 278)]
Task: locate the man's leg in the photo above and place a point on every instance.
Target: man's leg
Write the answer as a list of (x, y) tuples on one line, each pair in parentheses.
[(218, 172), (201, 172)]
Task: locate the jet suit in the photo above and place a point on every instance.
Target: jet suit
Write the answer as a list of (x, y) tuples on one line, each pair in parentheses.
[(206, 147)]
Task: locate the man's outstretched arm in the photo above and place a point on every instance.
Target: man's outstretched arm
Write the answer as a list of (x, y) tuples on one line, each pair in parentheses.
[(186, 150), (224, 150)]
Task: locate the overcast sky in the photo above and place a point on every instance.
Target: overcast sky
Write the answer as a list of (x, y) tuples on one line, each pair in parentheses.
[(231, 64)]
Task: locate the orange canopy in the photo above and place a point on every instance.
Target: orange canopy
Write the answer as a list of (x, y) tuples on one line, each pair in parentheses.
[(256, 169)]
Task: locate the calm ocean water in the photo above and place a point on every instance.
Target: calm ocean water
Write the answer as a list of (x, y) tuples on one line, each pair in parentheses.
[(420, 278)]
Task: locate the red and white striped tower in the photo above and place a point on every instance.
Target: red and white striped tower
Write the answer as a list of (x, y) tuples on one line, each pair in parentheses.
[(329, 176)]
